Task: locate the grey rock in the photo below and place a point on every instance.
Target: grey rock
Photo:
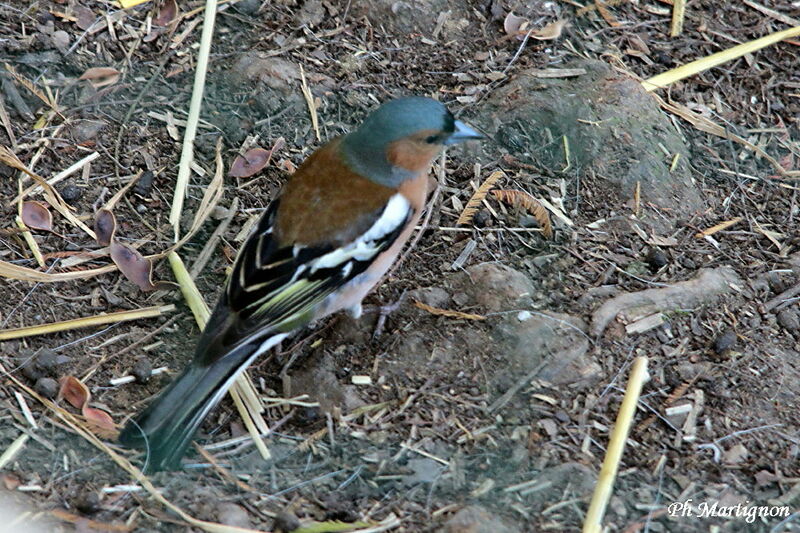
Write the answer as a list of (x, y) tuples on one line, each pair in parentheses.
[(613, 126)]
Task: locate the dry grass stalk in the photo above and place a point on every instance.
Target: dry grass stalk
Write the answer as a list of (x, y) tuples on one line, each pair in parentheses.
[(717, 228), (28, 236), (80, 428), (187, 152), (522, 199), (53, 197), (207, 204), (65, 325), (25, 82), (678, 11), (704, 124), (239, 394), (690, 69), (616, 445), (312, 108), (472, 206), (67, 172), (11, 452)]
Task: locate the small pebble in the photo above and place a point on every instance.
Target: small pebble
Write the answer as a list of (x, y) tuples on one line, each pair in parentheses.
[(656, 258), (788, 319), (141, 208), (47, 361), (71, 193), (88, 502), (481, 218), (30, 370), (61, 39), (144, 186), (47, 387), (724, 341), (285, 522), (142, 370)]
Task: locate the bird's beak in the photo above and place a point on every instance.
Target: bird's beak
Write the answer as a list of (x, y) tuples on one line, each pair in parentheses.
[(463, 133)]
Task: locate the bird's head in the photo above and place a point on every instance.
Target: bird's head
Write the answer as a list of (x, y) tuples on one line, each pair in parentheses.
[(401, 138)]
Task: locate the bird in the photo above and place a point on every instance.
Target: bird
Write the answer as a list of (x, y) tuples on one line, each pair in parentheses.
[(320, 247)]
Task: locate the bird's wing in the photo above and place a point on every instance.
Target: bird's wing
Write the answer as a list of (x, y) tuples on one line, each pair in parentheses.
[(276, 287)]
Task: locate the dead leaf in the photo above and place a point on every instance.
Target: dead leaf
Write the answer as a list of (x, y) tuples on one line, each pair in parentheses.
[(11, 481), (133, 265), (167, 13), (719, 227), (105, 225), (84, 17), (472, 206), (529, 203), (74, 391), (100, 421), (447, 312), (657, 240), (85, 524), (514, 25), (36, 215), (77, 394), (251, 162), (101, 76), (550, 32)]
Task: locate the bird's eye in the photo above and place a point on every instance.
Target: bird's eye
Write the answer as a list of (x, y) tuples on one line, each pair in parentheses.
[(432, 139)]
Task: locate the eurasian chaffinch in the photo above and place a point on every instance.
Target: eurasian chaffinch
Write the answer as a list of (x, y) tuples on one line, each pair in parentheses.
[(320, 247)]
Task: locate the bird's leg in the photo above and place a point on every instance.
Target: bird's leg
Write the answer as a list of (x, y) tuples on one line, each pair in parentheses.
[(383, 312)]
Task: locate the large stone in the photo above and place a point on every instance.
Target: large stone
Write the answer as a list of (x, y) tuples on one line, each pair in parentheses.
[(555, 344), (432, 18), (476, 519), (611, 125)]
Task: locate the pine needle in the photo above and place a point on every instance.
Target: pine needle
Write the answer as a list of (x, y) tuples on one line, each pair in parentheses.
[(522, 199), (472, 206)]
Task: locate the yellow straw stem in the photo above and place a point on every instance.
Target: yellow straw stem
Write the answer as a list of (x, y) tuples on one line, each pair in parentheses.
[(605, 481), (109, 318), (690, 69)]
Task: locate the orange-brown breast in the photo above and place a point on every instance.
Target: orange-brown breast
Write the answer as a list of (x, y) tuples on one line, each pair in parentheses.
[(325, 201)]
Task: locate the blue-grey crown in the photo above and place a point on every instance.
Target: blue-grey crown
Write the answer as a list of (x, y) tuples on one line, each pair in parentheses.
[(402, 117)]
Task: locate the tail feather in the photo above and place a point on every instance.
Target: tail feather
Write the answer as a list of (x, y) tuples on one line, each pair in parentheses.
[(166, 427)]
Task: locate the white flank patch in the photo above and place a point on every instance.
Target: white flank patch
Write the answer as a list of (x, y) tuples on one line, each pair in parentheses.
[(364, 247)]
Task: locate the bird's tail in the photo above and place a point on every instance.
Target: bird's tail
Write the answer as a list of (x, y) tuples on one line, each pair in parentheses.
[(166, 427)]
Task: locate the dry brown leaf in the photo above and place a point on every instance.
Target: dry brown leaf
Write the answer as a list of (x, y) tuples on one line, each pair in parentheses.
[(448, 312), (251, 162), (74, 391), (167, 13), (105, 225), (550, 32), (513, 24), (529, 203), (25, 82), (77, 394), (35, 215), (101, 76), (133, 265), (53, 197), (100, 422), (719, 227), (606, 14), (472, 206), (85, 524)]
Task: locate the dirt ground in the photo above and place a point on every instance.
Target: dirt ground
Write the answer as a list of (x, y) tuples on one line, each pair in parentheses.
[(458, 430)]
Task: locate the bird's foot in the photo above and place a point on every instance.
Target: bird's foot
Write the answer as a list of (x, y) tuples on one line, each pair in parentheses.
[(383, 312)]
